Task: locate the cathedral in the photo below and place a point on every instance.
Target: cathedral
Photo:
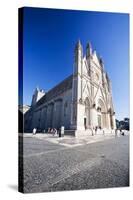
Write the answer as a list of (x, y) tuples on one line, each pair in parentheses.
[(79, 103)]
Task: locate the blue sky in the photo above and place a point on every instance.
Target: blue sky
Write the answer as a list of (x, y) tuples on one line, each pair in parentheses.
[(49, 40)]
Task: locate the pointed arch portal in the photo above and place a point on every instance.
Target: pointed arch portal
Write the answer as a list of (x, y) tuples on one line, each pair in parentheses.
[(101, 114)]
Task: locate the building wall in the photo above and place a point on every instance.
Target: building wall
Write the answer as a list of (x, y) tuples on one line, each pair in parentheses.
[(38, 94), (92, 95), (53, 114), (86, 105)]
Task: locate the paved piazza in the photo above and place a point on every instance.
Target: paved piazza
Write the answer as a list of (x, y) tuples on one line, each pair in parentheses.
[(58, 164)]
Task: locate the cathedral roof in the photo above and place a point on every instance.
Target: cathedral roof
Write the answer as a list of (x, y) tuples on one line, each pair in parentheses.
[(57, 90)]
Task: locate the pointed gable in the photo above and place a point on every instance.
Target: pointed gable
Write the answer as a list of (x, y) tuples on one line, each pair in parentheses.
[(96, 59)]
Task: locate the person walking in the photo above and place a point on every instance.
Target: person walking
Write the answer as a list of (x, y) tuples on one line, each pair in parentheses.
[(116, 132), (96, 130), (52, 131), (34, 131), (55, 130), (123, 133), (93, 131)]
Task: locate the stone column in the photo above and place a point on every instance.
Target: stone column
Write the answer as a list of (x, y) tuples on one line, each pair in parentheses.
[(108, 121), (49, 116), (104, 120), (93, 119), (113, 121), (43, 118), (57, 113), (77, 106), (80, 116)]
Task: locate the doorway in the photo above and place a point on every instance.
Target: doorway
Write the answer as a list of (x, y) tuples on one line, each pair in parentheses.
[(85, 123), (99, 121)]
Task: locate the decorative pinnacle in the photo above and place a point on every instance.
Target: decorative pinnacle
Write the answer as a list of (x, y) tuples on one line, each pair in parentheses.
[(89, 45), (79, 42), (101, 60), (88, 50), (37, 88), (78, 45)]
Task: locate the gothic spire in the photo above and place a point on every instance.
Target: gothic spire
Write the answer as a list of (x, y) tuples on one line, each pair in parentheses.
[(78, 45), (88, 49)]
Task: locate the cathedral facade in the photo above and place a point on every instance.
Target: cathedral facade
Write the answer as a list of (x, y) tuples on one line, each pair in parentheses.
[(79, 103)]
